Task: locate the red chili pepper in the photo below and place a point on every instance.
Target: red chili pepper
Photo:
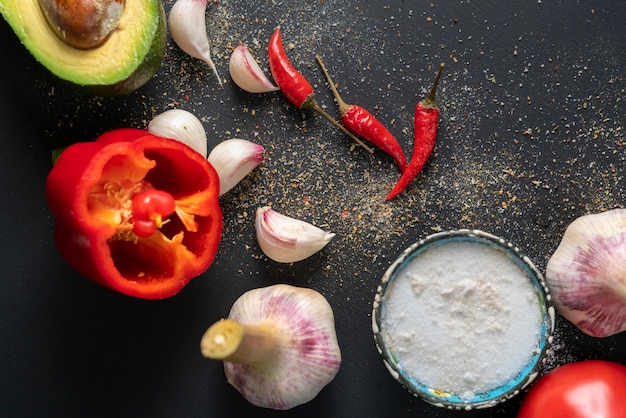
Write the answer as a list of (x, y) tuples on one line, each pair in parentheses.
[(360, 121), (291, 82), (136, 213), (425, 126), (295, 86)]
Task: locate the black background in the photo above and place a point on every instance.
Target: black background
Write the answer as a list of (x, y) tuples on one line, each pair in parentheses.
[(531, 137)]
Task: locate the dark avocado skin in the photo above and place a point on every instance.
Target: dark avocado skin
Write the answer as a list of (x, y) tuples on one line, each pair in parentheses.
[(149, 67)]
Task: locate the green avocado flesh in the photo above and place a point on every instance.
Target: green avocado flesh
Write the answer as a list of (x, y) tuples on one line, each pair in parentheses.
[(126, 61)]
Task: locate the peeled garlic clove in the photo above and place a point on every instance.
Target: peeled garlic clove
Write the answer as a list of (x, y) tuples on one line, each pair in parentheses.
[(586, 274), (279, 345), (233, 159), (247, 74), (182, 126), (285, 239), (187, 24)]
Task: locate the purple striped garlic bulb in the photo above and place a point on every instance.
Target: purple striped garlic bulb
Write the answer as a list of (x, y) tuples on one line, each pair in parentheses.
[(586, 274), (278, 344)]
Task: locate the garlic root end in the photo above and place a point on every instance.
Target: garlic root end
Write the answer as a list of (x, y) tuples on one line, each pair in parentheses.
[(229, 340), (222, 339)]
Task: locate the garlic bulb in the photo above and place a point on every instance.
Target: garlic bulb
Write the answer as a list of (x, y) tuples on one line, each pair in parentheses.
[(233, 159), (187, 24), (180, 125), (285, 239), (247, 74), (279, 345), (586, 274)]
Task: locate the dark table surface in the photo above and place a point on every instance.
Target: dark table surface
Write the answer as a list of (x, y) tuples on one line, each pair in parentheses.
[(531, 137)]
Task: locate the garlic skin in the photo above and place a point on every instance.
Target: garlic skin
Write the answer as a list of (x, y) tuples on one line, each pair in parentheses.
[(586, 274), (247, 74), (187, 25), (279, 345), (182, 126), (285, 239), (233, 159)]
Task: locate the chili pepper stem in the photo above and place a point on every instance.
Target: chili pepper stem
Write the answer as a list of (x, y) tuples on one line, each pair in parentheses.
[(343, 106), (430, 101), (230, 340), (312, 104)]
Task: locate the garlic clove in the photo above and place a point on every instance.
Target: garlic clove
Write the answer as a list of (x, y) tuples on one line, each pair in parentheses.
[(285, 239), (187, 24), (586, 274), (233, 159), (247, 74), (182, 126), (279, 345)]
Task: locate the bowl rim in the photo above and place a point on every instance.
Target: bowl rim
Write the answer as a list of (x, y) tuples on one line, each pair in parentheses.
[(492, 397)]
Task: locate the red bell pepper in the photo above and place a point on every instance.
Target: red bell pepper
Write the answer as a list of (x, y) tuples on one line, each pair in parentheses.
[(135, 212)]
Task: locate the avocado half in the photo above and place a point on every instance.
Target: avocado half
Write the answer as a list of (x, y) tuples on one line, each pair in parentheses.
[(127, 60)]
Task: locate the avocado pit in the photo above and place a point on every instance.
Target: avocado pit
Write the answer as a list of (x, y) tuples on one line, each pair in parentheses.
[(83, 24)]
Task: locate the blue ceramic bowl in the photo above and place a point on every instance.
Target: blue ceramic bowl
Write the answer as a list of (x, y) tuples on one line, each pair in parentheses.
[(444, 398)]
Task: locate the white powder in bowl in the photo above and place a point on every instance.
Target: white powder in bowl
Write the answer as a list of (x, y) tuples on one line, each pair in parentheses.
[(462, 318)]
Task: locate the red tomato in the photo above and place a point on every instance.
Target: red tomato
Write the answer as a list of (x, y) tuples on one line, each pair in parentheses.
[(585, 389)]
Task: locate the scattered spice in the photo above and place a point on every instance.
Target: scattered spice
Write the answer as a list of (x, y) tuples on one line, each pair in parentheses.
[(554, 176)]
